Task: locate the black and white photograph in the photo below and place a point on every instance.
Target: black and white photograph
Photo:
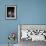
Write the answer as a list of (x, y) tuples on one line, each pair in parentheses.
[(11, 12)]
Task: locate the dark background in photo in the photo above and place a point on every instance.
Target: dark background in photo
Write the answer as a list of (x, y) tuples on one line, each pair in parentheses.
[(10, 11)]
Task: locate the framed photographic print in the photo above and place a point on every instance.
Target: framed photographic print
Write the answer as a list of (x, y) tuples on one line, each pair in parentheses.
[(10, 11)]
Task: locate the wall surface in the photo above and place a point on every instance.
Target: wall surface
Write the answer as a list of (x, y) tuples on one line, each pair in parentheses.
[(28, 12)]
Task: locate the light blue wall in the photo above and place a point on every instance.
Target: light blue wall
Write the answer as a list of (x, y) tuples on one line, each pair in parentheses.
[(28, 12), (32, 11)]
